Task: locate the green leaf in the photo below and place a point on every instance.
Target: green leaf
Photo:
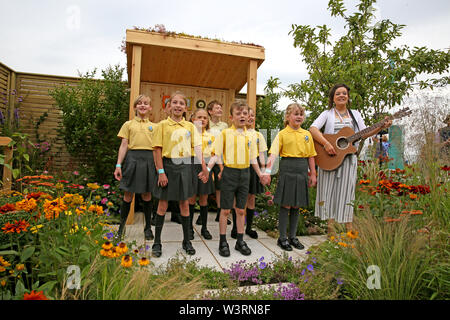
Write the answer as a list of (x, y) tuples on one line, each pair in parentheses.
[(47, 287), (20, 289), (26, 156), (6, 252), (28, 252)]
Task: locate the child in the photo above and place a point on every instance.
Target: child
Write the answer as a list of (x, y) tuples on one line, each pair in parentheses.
[(296, 148), (238, 151), (138, 174), (201, 121), (216, 126), (173, 141)]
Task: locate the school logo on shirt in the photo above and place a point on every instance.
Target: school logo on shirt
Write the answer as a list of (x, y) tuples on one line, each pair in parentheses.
[(150, 128), (306, 139), (249, 143), (188, 134), (209, 142)]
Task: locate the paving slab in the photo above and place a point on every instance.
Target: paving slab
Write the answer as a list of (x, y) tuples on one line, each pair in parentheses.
[(207, 251)]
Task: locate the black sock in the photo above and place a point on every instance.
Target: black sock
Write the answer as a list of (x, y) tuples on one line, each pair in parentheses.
[(124, 210), (250, 213), (147, 207), (159, 222), (223, 238), (283, 222), (218, 214), (240, 237), (294, 216), (191, 215), (204, 216), (185, 225)]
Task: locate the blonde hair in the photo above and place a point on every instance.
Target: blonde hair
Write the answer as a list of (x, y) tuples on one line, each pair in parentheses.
[(291, 108), (197, 111), (178, 93), (141, 97)]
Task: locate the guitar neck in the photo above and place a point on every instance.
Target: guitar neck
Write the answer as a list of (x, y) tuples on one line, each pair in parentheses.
[(357, 136)]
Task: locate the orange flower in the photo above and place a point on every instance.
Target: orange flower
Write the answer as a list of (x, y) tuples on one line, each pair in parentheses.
[(127, 261), (352, 234), (387, 219), (35, 296), (364, 181), (17, 226), (96, 209), (27, 205), (412, 196)]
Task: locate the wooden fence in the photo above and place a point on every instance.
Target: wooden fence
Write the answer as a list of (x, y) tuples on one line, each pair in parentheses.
[(26, 102)]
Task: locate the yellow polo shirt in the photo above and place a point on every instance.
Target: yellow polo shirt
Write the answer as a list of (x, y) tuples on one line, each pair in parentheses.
[(216, 128), (293, 143), (176, 139), (139, 133), (257, 136), (236, 148)]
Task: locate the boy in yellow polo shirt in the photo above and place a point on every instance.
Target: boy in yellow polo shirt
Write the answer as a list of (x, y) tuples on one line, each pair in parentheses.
[(238, 151), (296, 148)]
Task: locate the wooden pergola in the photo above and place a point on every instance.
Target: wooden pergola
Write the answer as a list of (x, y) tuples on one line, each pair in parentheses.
[(203, 69)]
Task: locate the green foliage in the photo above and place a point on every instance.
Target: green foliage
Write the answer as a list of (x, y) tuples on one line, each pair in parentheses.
[(378, 74), (93, 113)]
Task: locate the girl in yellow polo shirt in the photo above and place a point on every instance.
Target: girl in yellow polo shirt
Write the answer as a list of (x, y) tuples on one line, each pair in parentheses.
[(138, 174), (202, 189), (296, 148), (173, 142)]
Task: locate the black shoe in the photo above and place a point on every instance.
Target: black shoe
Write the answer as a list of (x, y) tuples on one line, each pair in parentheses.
[(284, 244), (205, 234), (199, 221), (157, 250), (148, 234), (252, 234), (191, 234), (296, 244), (228, 222), (224, 249), (187, 246), (242, 247), (234, 233)]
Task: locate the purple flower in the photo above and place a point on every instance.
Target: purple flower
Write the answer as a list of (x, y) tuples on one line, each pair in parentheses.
[(289, 292), (339, 281), (303, 272), (308, 252), (16, 113), (2, 117), (310, 267), (109, 235), (314, 260)]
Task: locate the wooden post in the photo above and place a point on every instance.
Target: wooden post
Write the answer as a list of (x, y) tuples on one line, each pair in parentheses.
[(7, 176), (11, 97), (135, 88), (251, 83), (231, 98)]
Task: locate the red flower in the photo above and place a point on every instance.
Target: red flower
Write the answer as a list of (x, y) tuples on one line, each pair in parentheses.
[(7, 208), (17, 226), (35, 296)]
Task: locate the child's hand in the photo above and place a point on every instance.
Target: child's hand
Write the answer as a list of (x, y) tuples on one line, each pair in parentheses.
[(162, 180), (203, 177), (118, 174), (312, 181), (219, 176)]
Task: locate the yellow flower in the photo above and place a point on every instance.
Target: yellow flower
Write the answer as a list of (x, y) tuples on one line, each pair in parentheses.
[(127, 261), (93, 186), (35, 228), (26, 204), (2, 268), (96, 209), (80, 210), (107, 245), (342, 244), (144, 261), (3, 262), (97, 198), (3, 282), (73, 228), (110, 204), (122, 247)]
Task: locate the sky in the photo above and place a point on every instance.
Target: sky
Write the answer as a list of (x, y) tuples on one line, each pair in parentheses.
[(71, 37)]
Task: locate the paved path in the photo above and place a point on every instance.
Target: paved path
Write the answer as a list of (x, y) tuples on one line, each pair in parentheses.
[(207, 251)]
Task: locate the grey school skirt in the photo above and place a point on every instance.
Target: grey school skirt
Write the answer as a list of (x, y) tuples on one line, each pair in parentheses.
[(199, 187), (179, 176), (255, 186), (138, 172), (292, 188)]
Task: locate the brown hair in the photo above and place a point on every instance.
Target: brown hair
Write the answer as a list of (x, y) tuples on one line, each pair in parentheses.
[(333, 91), (289, 110), (139, 98), (211, 105), (238, 105), (197, 111)]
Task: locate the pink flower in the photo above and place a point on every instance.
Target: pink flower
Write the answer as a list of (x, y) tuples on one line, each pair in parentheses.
[(104, 200), (106, 186), (76, 173), (270, 202), (81, 187)]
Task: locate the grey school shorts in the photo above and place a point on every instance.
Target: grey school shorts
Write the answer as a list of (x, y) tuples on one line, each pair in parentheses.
[(235, 185)]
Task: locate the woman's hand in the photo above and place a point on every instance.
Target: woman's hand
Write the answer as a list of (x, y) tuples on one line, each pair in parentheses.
[(312, 180), (329, 148), (162, 180)]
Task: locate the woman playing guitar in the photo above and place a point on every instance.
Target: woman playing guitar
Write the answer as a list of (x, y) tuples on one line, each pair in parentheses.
[(336, 188)]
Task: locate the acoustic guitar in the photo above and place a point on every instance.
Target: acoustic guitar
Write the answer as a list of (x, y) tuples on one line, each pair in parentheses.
[(343, 142)]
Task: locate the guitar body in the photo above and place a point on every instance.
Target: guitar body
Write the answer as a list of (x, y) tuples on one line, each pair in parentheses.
[(340, 144)]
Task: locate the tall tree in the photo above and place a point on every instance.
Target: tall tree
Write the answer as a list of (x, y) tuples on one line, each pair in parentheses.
[(378, 74)]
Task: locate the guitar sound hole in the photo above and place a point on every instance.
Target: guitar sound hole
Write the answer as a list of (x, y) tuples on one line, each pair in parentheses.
[(342, 143)]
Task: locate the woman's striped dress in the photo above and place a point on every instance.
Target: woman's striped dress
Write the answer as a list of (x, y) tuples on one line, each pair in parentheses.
[(336, 189)]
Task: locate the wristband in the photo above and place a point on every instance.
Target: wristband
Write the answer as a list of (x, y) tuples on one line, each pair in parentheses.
[(160, 171), (267, 170), (118, 165), (207, 168)]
